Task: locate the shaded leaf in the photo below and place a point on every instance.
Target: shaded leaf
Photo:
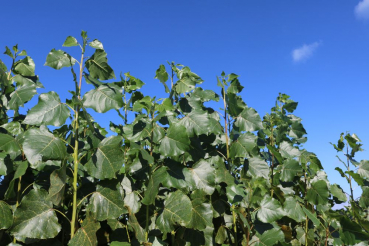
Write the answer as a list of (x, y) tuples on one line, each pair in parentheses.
[(162, 75), (9, 144)]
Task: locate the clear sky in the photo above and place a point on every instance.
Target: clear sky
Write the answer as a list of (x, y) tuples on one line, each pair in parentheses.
[(315, 51)]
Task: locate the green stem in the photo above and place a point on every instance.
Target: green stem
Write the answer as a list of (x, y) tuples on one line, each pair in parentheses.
[(75, 154), (18, 197), (234, 225), (350, 178), (306, 231), (173, 234), (75, 177)]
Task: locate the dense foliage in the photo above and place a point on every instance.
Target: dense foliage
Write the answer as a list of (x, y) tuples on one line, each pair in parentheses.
[(174, 171)]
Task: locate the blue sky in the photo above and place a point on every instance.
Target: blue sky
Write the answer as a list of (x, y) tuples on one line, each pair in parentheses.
[(315, 51)]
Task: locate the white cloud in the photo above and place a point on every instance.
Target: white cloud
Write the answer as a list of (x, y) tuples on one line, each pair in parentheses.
[(304, 52), (362, 9)]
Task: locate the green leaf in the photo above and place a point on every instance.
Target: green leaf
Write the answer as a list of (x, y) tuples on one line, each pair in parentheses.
[(48, 111), (40, 145), (35, 217), (270, 237), (203, 176), (25, 67), (131, 199), (20, 171), (235, 104), (9, 144), (106, 202), (98, 67), (288, 151), (107, 160), (58, 179), (70, 41), (103, 98), (153, 187), (235, 86), (270, 210), (6, 215), (221, 235), (8, 52), (337, 192), (311, 216), (248, 120), (13, 127), (176, 142), (293, 209), (22, 95), (177, 211), (364, 199), (58, 59), (290, 106), (162, 76), (195, 123), (363, 170), (202, 213), (138, 230), (235, 193), (86, 235), (289, 170), (258, 168), (318, 193), (244, 146), (96, 44), (297, 130), (187, 80)]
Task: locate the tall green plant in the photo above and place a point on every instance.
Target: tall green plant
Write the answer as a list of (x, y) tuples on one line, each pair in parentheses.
[(173, 171)]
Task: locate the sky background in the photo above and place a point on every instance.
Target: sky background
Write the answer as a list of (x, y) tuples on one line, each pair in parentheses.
[(315, 51)]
